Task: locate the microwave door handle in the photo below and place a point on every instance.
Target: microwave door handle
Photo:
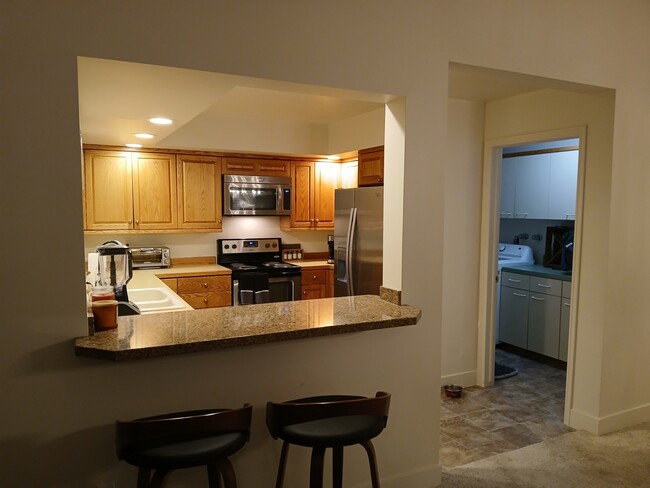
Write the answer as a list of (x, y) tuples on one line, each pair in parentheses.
[(349, 249)]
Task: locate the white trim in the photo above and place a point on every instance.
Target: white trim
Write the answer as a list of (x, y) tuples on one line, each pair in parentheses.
[(610, 423), (422, 478), (488, 258), (468, 378)]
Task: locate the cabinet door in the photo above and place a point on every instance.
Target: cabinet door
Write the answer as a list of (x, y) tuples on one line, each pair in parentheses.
[(513, 317), (531, 194), (563, 185), (544, 324), (108, 190), (256, 167), (154, 191), (327, 178), (565, 313), (371, 167), (302, 200), (312, 292), (199, 192), (508, 184)]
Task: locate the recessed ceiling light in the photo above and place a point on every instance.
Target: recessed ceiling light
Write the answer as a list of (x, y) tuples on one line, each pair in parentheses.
[(160, 120), (143, 135), (133, 145)]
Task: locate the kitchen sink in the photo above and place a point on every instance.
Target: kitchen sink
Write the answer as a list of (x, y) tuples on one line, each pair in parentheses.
[(156, 300)]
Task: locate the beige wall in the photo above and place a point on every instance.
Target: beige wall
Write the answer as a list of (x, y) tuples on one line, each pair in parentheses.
[(59, 409), (463, 176)]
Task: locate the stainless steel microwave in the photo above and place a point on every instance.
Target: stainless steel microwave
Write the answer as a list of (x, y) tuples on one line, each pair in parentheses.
[(256, 195)]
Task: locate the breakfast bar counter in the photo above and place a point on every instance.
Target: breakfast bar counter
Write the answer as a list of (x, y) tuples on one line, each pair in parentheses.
[(164, 334)]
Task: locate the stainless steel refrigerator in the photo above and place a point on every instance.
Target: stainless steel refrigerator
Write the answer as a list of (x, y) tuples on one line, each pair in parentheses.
[(358, 241)]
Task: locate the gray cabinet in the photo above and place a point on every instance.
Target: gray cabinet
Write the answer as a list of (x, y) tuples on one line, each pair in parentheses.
[(539, 186), (534, 314), (513, 318)]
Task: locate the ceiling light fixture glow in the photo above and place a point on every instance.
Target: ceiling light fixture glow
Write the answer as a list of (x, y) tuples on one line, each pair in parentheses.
[(133, 145), (334, 158), (160, 120), (143, 135)]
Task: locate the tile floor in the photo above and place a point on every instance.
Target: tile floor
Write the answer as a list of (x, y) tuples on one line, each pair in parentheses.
[(513, 413)]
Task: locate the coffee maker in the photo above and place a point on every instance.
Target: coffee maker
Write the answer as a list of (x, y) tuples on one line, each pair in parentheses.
[(115, 268)]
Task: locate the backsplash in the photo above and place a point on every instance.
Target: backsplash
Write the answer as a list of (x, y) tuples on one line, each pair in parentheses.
[(511, 228), (204, 244)]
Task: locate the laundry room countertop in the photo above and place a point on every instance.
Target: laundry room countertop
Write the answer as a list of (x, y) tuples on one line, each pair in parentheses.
[(538, 270)]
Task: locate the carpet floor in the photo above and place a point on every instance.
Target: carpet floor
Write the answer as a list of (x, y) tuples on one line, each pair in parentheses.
[(572, 460)]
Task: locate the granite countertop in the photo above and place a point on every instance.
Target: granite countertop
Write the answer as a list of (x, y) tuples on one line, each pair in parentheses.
[(538, 270), (145, 336)]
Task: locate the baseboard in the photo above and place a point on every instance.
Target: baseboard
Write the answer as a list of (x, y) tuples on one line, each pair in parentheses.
[(609, 423), (422, 478), (468, 378)]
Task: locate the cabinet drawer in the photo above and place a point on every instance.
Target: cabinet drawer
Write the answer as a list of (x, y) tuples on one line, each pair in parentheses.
[(515, 280), (170, 283), (546, 285), (314, 277), (208, 299), (566, 289), (197, 284)]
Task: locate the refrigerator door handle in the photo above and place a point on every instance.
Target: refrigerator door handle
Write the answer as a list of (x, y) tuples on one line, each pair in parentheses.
[(350, 248)]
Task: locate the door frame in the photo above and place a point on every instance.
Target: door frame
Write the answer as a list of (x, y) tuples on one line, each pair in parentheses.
[(488, 258)]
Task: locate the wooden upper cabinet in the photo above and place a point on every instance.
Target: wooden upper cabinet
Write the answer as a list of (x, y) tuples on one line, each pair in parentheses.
[(371, 166), (312, 203), (199, 192), (154, 191), (256, 166), (108, 189), (129, 191)]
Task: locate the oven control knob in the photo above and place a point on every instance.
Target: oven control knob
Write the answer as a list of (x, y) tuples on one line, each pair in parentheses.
[(268, 245), (234, 246), (227, 246), (275, 245)]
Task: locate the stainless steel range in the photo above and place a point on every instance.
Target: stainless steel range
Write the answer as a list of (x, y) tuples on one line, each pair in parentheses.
[(258, 273)]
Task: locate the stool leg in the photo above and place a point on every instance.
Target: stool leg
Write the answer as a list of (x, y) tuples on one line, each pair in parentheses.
[(214, 475), (337, 467), (372, 460), (225, 467), (283, 463), (159, 477), (316, 470), (144, 477)]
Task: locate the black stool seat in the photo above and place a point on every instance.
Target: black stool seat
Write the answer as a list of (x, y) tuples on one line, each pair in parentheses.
[(332, 421), (183, 440)]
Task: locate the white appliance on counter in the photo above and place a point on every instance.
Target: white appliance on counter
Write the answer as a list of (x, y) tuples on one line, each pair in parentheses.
[(510, 255)]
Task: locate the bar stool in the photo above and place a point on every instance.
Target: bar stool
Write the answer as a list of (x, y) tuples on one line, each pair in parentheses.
[(332, 421), (183, 440)]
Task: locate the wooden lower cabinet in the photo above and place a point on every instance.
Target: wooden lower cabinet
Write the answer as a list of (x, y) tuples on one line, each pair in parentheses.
[(206, 291), (317, 282)]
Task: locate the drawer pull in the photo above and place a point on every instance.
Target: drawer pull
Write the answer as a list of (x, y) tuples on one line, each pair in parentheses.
[(544, 286), (538, 299), (205, 300), (519, 294), (205, 285), (566, 304), (514, 281)]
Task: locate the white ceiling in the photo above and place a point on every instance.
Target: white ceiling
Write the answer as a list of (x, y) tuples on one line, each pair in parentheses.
[(117, 98)]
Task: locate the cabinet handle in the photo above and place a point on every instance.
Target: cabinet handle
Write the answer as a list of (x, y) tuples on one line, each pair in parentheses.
[(519, 294), (317, 220), (205, 300), (538, 299), (544, 286), (137, 222), (314, 277), (566, 304), (569, 215), (220, 221), (130, 221), (503, 214), (514, 281), (205, 285), (525, 214), (378, 180)]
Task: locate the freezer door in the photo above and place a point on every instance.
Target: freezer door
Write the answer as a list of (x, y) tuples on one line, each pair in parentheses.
[(367, 250)]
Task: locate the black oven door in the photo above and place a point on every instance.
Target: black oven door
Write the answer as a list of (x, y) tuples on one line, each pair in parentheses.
[(281, 289)]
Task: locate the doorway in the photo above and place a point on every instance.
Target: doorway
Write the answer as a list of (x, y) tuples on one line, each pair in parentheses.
[(519, 229)]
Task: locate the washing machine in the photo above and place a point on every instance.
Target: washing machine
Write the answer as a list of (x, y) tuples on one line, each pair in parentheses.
[(510, 255)]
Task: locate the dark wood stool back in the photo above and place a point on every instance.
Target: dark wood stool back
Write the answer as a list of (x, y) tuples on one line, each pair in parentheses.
[(180, 440), (331, 421)]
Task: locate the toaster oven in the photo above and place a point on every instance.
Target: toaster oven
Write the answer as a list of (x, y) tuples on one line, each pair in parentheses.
[(150, 257)]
